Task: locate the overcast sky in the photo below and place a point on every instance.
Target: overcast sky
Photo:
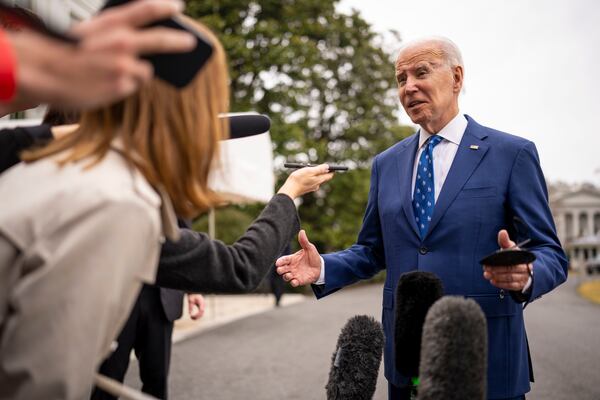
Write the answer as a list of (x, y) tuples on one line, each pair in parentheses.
[(532, 68)]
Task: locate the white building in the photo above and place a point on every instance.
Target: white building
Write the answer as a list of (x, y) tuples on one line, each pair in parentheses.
[(576, 212)]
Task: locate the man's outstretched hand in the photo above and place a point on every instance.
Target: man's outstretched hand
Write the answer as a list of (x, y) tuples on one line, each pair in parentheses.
[(509, 277), (303, 267)]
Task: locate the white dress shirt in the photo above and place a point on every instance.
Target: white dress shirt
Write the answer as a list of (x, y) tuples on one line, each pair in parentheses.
[(443, 153)]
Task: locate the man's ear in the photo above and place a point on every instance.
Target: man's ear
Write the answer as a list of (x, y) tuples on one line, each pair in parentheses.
[(458, 75)]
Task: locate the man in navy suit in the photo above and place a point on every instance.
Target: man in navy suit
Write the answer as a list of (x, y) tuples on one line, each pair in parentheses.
[(439, 201)]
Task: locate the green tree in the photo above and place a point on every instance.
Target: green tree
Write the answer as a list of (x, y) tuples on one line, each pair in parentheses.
[(328, 86)]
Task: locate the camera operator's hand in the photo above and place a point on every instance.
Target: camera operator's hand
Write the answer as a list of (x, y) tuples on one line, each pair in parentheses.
[(104, 67), (306, 180), (117, 29)]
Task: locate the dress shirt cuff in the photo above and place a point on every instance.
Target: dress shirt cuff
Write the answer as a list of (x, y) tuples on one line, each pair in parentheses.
[(321, 280), (527, 286), (524, 295)]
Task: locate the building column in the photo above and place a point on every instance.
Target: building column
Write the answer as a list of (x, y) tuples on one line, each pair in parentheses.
[(561, 227), (568, 228)]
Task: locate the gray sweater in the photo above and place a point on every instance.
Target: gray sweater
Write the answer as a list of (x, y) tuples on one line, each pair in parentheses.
[(197, 263)]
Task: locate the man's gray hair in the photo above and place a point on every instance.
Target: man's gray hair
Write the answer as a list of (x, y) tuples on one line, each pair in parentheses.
[(450, 50)]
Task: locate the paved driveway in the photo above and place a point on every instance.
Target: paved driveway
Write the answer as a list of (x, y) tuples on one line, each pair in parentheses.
[(285, 353)]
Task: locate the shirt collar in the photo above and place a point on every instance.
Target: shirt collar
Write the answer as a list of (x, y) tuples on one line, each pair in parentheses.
[(452, 132)]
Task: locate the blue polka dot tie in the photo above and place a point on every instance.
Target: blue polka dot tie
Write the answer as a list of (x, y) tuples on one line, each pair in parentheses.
[(424, 194)]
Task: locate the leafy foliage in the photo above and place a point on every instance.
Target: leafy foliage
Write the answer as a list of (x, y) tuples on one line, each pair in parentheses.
[(328, 86)]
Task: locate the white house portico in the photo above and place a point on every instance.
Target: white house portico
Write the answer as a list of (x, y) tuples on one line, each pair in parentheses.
[(577, 217)]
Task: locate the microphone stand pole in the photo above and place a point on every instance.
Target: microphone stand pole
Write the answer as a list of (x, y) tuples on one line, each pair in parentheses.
[(118, 389), (212, 233), (414, 387)]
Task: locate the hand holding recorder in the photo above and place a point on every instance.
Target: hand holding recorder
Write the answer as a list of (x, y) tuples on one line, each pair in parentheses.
[(304, 165), (306, 180)]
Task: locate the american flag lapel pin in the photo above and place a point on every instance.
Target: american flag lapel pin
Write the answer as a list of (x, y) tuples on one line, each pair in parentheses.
[(474, 147)]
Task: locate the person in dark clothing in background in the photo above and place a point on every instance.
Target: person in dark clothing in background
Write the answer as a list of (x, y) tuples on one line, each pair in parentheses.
[(277, 284), (148, 332), (13, 141)]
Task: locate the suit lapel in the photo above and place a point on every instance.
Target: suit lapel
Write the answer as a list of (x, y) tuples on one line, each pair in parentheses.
[(470, 152), (405, 159)]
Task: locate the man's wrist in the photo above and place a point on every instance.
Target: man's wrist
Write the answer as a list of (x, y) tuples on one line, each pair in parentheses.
[(321, 280), (527, 286), (524, 295)]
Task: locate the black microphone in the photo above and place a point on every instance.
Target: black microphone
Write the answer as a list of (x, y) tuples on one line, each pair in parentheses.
[(415, 293), (246, 124), (355, 362), (454, 351)]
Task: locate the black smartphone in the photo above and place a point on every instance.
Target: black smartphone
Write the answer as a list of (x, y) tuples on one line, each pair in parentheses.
[(178, 69), (507, 257), (20, 18), (332, 167), (514, 255)]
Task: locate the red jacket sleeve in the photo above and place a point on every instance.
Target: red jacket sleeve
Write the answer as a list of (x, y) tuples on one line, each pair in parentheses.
[(7, 69)]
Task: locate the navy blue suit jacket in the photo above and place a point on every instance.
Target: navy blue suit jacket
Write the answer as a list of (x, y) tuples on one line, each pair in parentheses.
[(486, 186)]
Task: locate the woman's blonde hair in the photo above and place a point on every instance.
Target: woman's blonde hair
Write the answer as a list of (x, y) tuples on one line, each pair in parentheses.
[(171, 136)]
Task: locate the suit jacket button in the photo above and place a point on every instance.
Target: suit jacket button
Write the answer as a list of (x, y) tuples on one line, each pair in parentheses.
[(423, 250), (501, 294)]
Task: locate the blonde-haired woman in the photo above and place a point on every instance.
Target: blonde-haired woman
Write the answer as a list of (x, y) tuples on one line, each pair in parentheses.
[(82, 222)]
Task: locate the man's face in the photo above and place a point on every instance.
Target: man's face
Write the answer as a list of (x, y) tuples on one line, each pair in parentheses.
[(428, 87)]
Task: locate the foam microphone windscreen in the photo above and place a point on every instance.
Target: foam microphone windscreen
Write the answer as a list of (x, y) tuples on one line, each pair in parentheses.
[(356, 360), (246, 124), (454, 351), (415, 293)]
